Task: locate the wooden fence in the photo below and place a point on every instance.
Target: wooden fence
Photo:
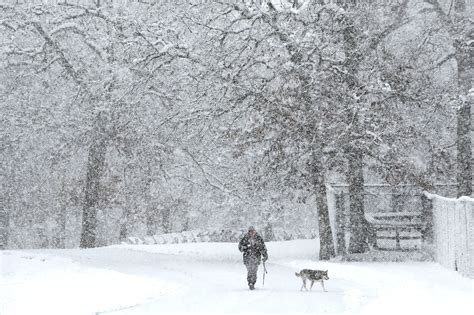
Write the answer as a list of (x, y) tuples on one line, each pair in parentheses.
[(453, 233)]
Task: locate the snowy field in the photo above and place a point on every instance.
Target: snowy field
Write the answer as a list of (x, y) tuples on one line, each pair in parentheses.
[(209, 278)]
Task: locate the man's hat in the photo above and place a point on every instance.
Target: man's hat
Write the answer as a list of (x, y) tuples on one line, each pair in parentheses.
[(251, 228)]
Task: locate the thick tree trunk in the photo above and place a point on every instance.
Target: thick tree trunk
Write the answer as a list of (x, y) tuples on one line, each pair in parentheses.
[(464, 151), (125, 223), (150, 222), (126, 218), (340, 224), (95, 166), (6, 203), (427, 234), (3, 227), (150, 209), (465, 61), (166, 220), (326, 241), (60, 237), (358, 242)]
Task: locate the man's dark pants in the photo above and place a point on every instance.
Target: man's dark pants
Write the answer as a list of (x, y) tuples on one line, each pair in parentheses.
[(252, 266)]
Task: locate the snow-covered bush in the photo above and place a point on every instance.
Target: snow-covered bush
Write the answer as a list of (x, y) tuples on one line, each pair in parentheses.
[(216, 235)]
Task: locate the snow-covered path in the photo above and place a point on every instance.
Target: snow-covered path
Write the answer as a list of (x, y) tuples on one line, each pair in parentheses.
[(210, 279)]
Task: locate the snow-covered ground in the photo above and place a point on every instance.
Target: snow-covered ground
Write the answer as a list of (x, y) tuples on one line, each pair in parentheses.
[(209, 278)]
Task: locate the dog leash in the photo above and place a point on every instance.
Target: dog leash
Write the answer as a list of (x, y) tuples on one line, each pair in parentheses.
[(264, 272)]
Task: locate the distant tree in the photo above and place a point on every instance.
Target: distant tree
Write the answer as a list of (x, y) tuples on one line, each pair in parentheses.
[(104, 79), (162, 110)]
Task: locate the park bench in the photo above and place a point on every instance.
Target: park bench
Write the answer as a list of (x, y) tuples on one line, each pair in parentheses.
[(395, 226)]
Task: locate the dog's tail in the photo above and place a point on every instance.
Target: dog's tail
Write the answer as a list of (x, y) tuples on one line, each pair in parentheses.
[(297, 274)]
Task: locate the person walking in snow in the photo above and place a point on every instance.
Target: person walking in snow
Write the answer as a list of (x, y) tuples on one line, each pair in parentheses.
[(253, 249)]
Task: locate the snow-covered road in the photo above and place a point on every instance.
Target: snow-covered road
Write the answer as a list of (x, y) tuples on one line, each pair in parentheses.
[(209, 278)]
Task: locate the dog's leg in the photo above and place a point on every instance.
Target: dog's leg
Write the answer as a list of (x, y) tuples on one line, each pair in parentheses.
[(322, 284), (302, 285), (311, 287)]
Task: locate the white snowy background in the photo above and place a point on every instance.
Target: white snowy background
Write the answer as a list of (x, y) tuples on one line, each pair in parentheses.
[(123, 121)]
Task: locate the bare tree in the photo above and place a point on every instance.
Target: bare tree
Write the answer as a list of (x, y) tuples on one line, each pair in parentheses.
[(455, 20)]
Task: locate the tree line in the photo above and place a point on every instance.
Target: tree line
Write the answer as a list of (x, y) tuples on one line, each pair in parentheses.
[(203, 110)]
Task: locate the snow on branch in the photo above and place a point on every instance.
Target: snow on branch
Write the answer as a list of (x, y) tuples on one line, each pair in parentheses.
[(76, 29)]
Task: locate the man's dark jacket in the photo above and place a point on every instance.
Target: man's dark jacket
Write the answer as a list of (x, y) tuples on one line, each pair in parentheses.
[(253, 249)]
